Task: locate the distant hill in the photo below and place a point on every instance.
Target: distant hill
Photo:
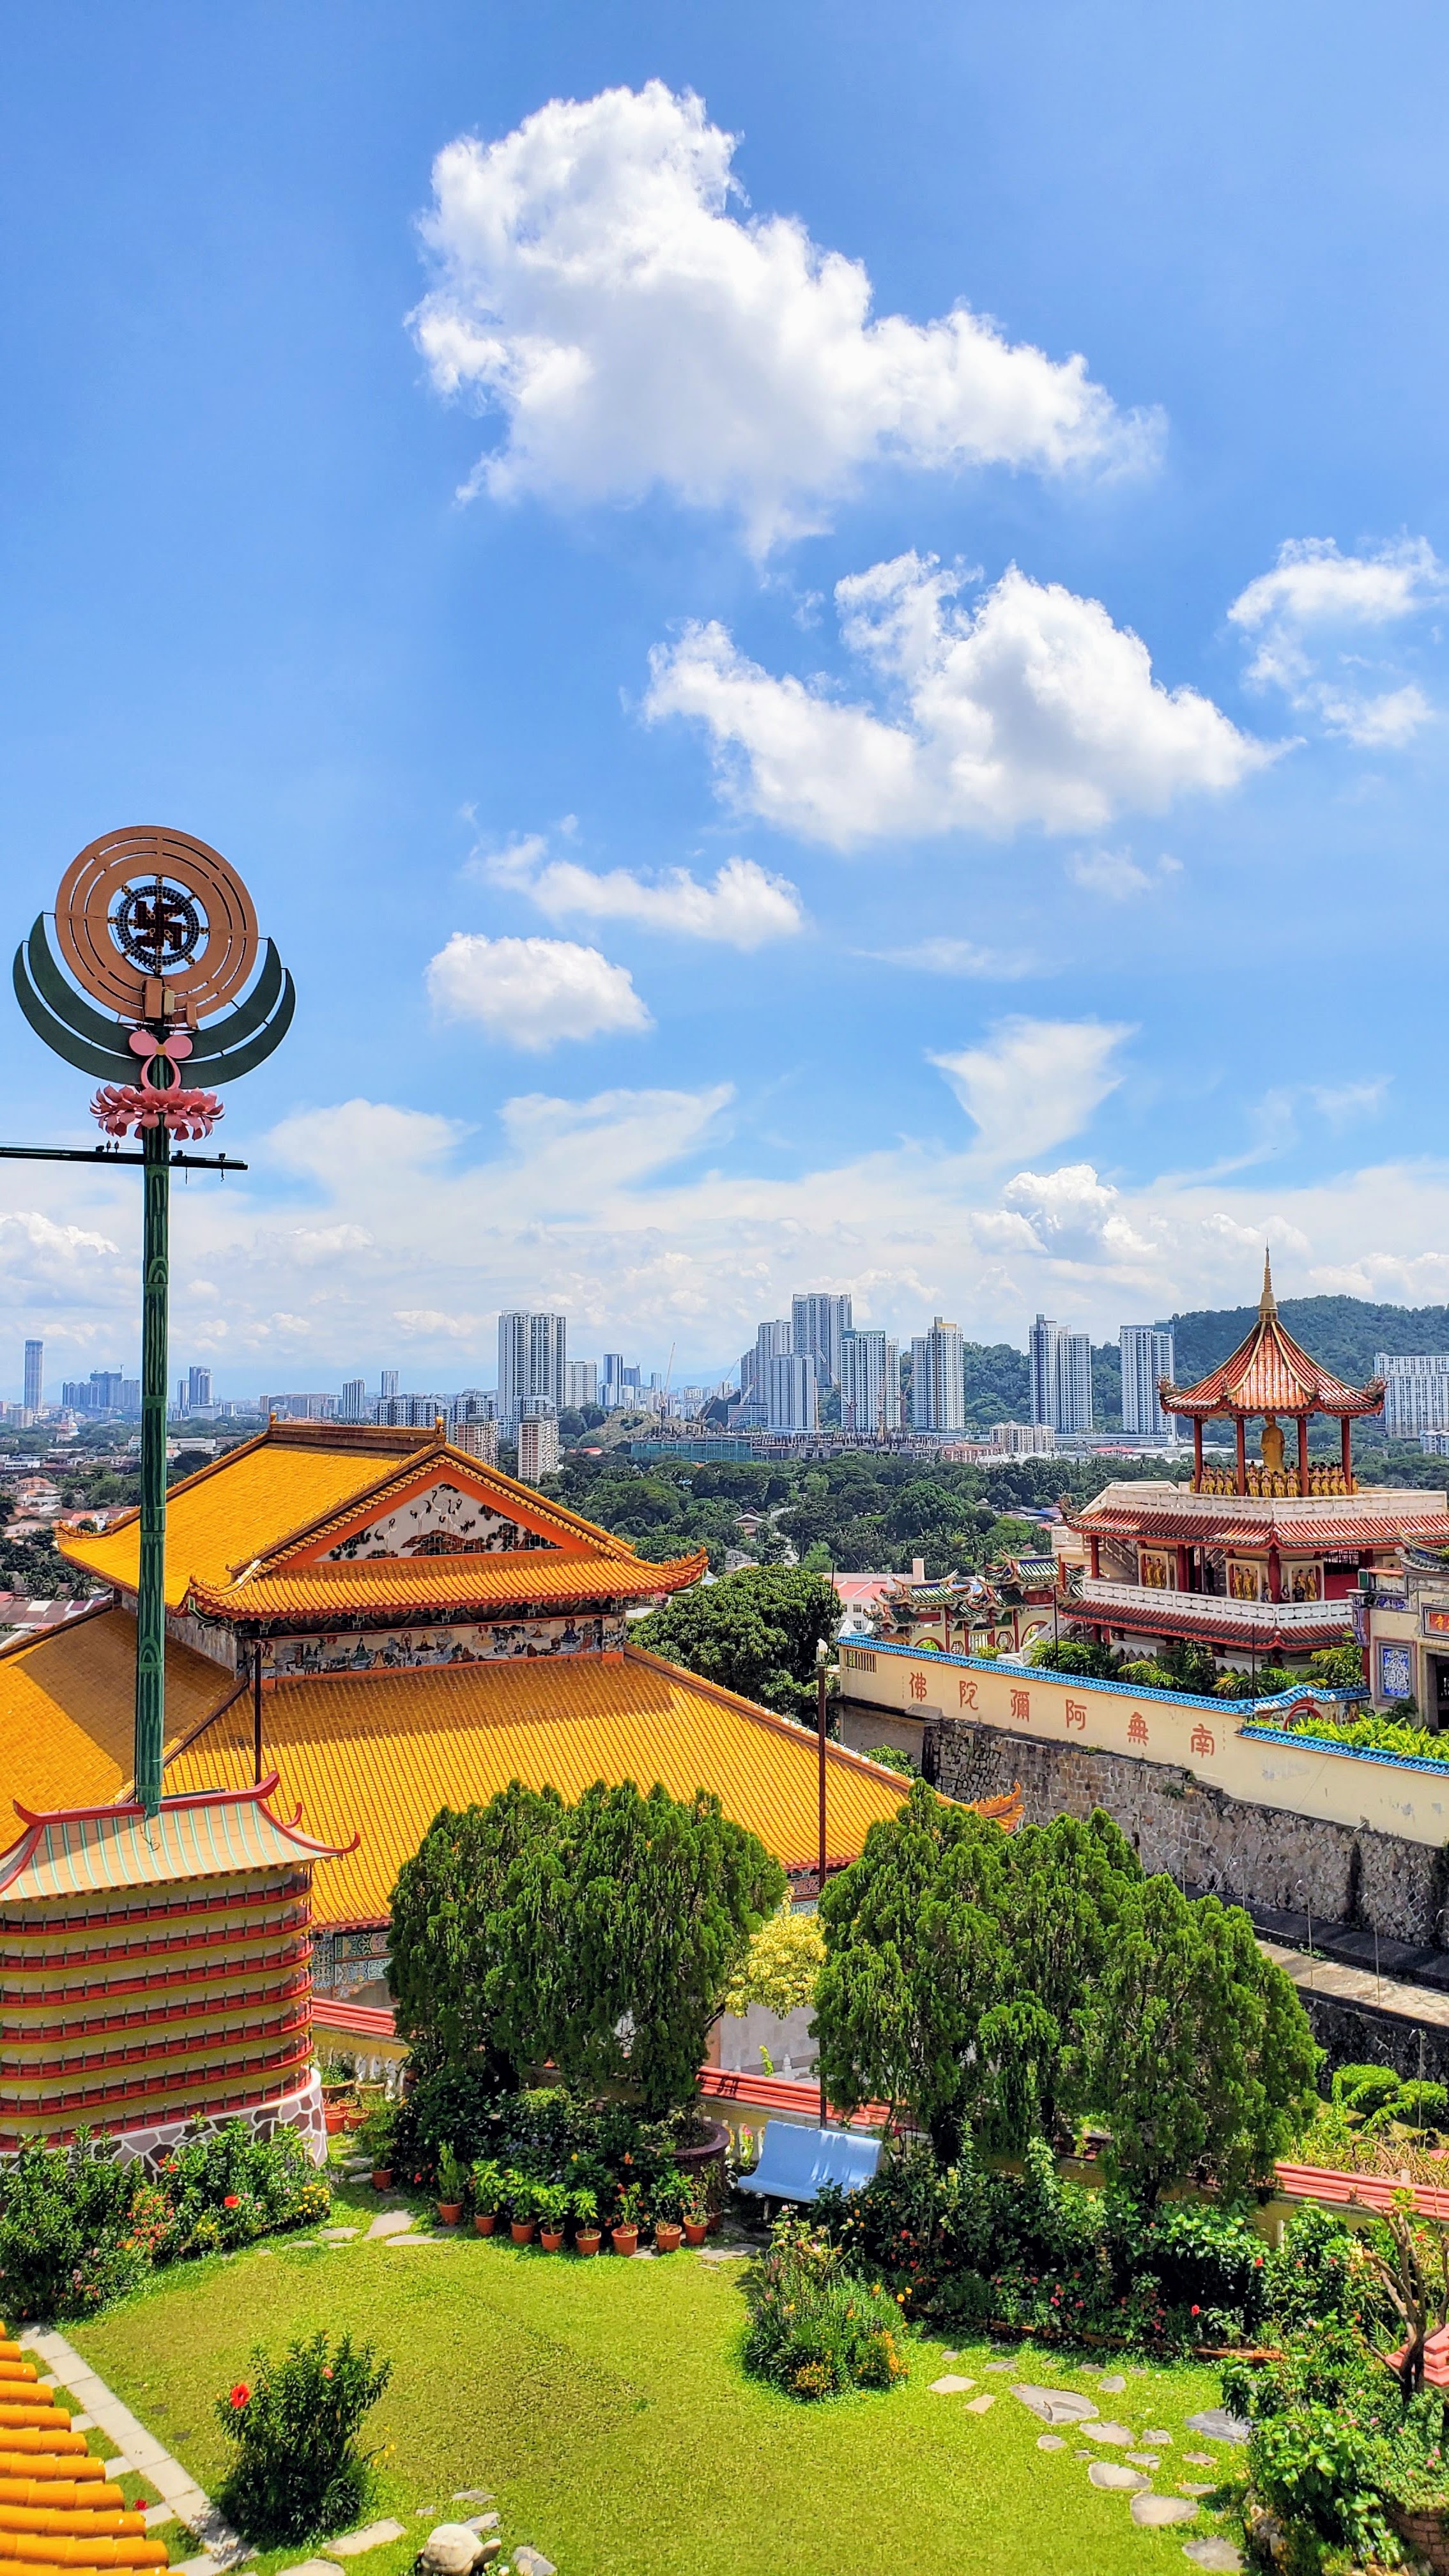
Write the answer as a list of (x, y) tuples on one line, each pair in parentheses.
[(1344, 1333)]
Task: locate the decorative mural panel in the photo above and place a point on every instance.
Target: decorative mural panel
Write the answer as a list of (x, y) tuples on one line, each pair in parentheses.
[(1303, 1582), (1155, 1569), (1396, 1678), (1244, 1580), (380, 1650), (441, 1520)]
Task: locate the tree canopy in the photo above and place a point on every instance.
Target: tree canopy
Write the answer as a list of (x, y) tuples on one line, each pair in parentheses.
[(756, 1632)]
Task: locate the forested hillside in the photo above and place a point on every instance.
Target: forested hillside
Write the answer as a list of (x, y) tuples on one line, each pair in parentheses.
[(1343, 1332)]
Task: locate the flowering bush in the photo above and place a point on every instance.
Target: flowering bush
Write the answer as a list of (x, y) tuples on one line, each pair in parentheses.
[(299, 2473), (815, 2330), (79, 2228)]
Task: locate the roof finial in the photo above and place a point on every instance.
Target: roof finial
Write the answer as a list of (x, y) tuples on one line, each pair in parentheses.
[(1267, 1303)]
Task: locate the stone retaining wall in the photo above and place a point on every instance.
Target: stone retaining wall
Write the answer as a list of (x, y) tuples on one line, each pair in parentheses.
[(1226, 1846)]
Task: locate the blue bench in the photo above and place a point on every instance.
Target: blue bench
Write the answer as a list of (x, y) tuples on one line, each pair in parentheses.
[(795, 2161)]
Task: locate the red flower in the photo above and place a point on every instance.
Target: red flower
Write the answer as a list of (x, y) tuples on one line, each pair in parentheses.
[(1197, 2312), (326, 2369), (240, 2395), (232, 2201)]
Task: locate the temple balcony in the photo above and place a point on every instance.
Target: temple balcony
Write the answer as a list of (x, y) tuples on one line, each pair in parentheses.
[(1151, 1610)]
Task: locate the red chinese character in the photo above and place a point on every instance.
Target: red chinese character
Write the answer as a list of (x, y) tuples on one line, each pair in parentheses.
[(1202, 1739), (1137, 1730), (968, 1695), (918, 1685), (1021, 1703), (1076, 1712)]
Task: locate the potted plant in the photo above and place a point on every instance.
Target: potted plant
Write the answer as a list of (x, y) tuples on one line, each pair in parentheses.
[(489, 2193), (669, 2190), (452, 2187), (551, 2207), (521, 2208), (624, 2233), (375, 2138), (584, 2211)]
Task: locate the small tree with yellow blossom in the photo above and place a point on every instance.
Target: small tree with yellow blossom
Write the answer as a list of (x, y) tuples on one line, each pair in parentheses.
[(781, 1965)]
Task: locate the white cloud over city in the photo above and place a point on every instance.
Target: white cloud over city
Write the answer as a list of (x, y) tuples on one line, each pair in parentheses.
[(601, 282), (1029, 708)]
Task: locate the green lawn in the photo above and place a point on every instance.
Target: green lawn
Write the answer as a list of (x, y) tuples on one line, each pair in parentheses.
[(603, 2404)]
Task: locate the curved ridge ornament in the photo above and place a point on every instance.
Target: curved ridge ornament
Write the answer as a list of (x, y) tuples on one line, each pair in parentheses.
[(166, 976)]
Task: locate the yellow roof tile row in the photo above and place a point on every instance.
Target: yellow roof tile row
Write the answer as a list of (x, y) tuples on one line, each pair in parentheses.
[(405, 1587), (384, 1751), (67, 1711)]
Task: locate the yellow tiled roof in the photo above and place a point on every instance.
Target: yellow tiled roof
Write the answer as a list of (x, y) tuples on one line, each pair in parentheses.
[(384, 1751), (67, 1711), (408, 1586), (297, 1489)]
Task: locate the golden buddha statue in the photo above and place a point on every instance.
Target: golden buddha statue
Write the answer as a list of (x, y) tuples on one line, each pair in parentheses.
[(1271, 1447)]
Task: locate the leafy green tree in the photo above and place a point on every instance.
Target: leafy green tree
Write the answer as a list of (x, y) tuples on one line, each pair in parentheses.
[(1339, 1667), (1067, 1888), (469, 1930), (1197, 2049), (756, 1632), (914, 1960)]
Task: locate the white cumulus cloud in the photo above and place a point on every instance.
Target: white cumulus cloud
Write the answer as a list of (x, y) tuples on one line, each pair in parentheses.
[(1317, 603), (601, 283), (742, 906), (1032, 1082), (1117, 875), (533, 993), (1031, 708)]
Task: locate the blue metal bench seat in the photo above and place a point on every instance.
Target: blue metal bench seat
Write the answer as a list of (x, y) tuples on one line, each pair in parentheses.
[(795, 2161)]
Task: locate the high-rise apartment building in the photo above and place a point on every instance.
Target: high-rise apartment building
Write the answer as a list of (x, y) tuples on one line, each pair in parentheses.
[(870, 1383), (198, 1388), (581, 1383), (387, 1384), (479, 1439), (792, 1394), (773, 1341), (938, 1378), (817, 1324), (532, 1360), (354, 1399), (1146, 1357), (314, 1406), (34, 1376), (1061, 1376), (537, 1446), (1416, 1393)]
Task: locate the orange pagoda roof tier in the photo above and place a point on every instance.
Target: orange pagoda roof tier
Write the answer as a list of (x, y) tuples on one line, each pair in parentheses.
[(1270, 1373)]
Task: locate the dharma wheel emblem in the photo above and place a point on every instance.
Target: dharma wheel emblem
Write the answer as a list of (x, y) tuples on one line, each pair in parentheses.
[(159, 931)]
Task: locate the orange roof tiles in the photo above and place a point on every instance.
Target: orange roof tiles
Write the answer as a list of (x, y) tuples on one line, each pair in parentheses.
[(390, 1749), (67, 1710), (1271, 1373), (410, 1587)]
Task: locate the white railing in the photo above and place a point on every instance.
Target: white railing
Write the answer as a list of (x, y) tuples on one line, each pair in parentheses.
[(1098, 1594)]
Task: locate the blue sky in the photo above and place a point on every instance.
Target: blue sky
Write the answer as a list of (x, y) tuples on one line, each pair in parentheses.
[(1061, 907)]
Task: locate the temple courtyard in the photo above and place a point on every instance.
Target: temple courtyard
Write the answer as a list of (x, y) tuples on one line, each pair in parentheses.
[(602, 2407)]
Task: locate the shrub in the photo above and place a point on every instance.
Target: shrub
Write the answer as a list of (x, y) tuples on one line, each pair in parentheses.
[(79, 2228), (816, 2330), (780, 1968), (299, 2473), (1364, 2088)]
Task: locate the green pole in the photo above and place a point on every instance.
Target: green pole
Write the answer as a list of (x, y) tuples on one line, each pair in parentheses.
[(151, 1588)]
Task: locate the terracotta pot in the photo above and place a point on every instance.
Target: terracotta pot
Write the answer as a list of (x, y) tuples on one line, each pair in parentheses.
[(587, 2241), (695, 2230), (521, 2230), (335, 2118), (485, 2220), (667, 2235), (353, 2117), (382, 2177), (449, 2212), (550, 2238), (625, 2240)]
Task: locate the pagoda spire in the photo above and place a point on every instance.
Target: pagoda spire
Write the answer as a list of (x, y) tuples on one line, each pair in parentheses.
[(1267, 1303)]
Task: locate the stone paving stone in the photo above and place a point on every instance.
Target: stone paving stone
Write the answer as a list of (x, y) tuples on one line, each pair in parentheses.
[(979, 2405), (81, 2423), (1111, 2473), (1056, 2405), (1219, 2556), (1050, 2442), (1145, 2459), (951, 2385), (1154, 2512), (311, 2567), (473, 2495), (1193, 2486), (1200, 2459), (351, 2544), (1118, 2434), (1219, 2425), (1114, 2385), (1157, 2440), (336, 2235)]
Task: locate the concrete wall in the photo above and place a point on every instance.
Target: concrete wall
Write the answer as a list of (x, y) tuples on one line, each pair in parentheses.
[(1205, 1738), (1237, 1848)]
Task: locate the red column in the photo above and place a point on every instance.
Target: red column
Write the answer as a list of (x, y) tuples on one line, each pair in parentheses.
[(1242, 1429), (1095, 1545), (1197, 1454), (1275, 1573), (1346, 1428), (1302, 1453)]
